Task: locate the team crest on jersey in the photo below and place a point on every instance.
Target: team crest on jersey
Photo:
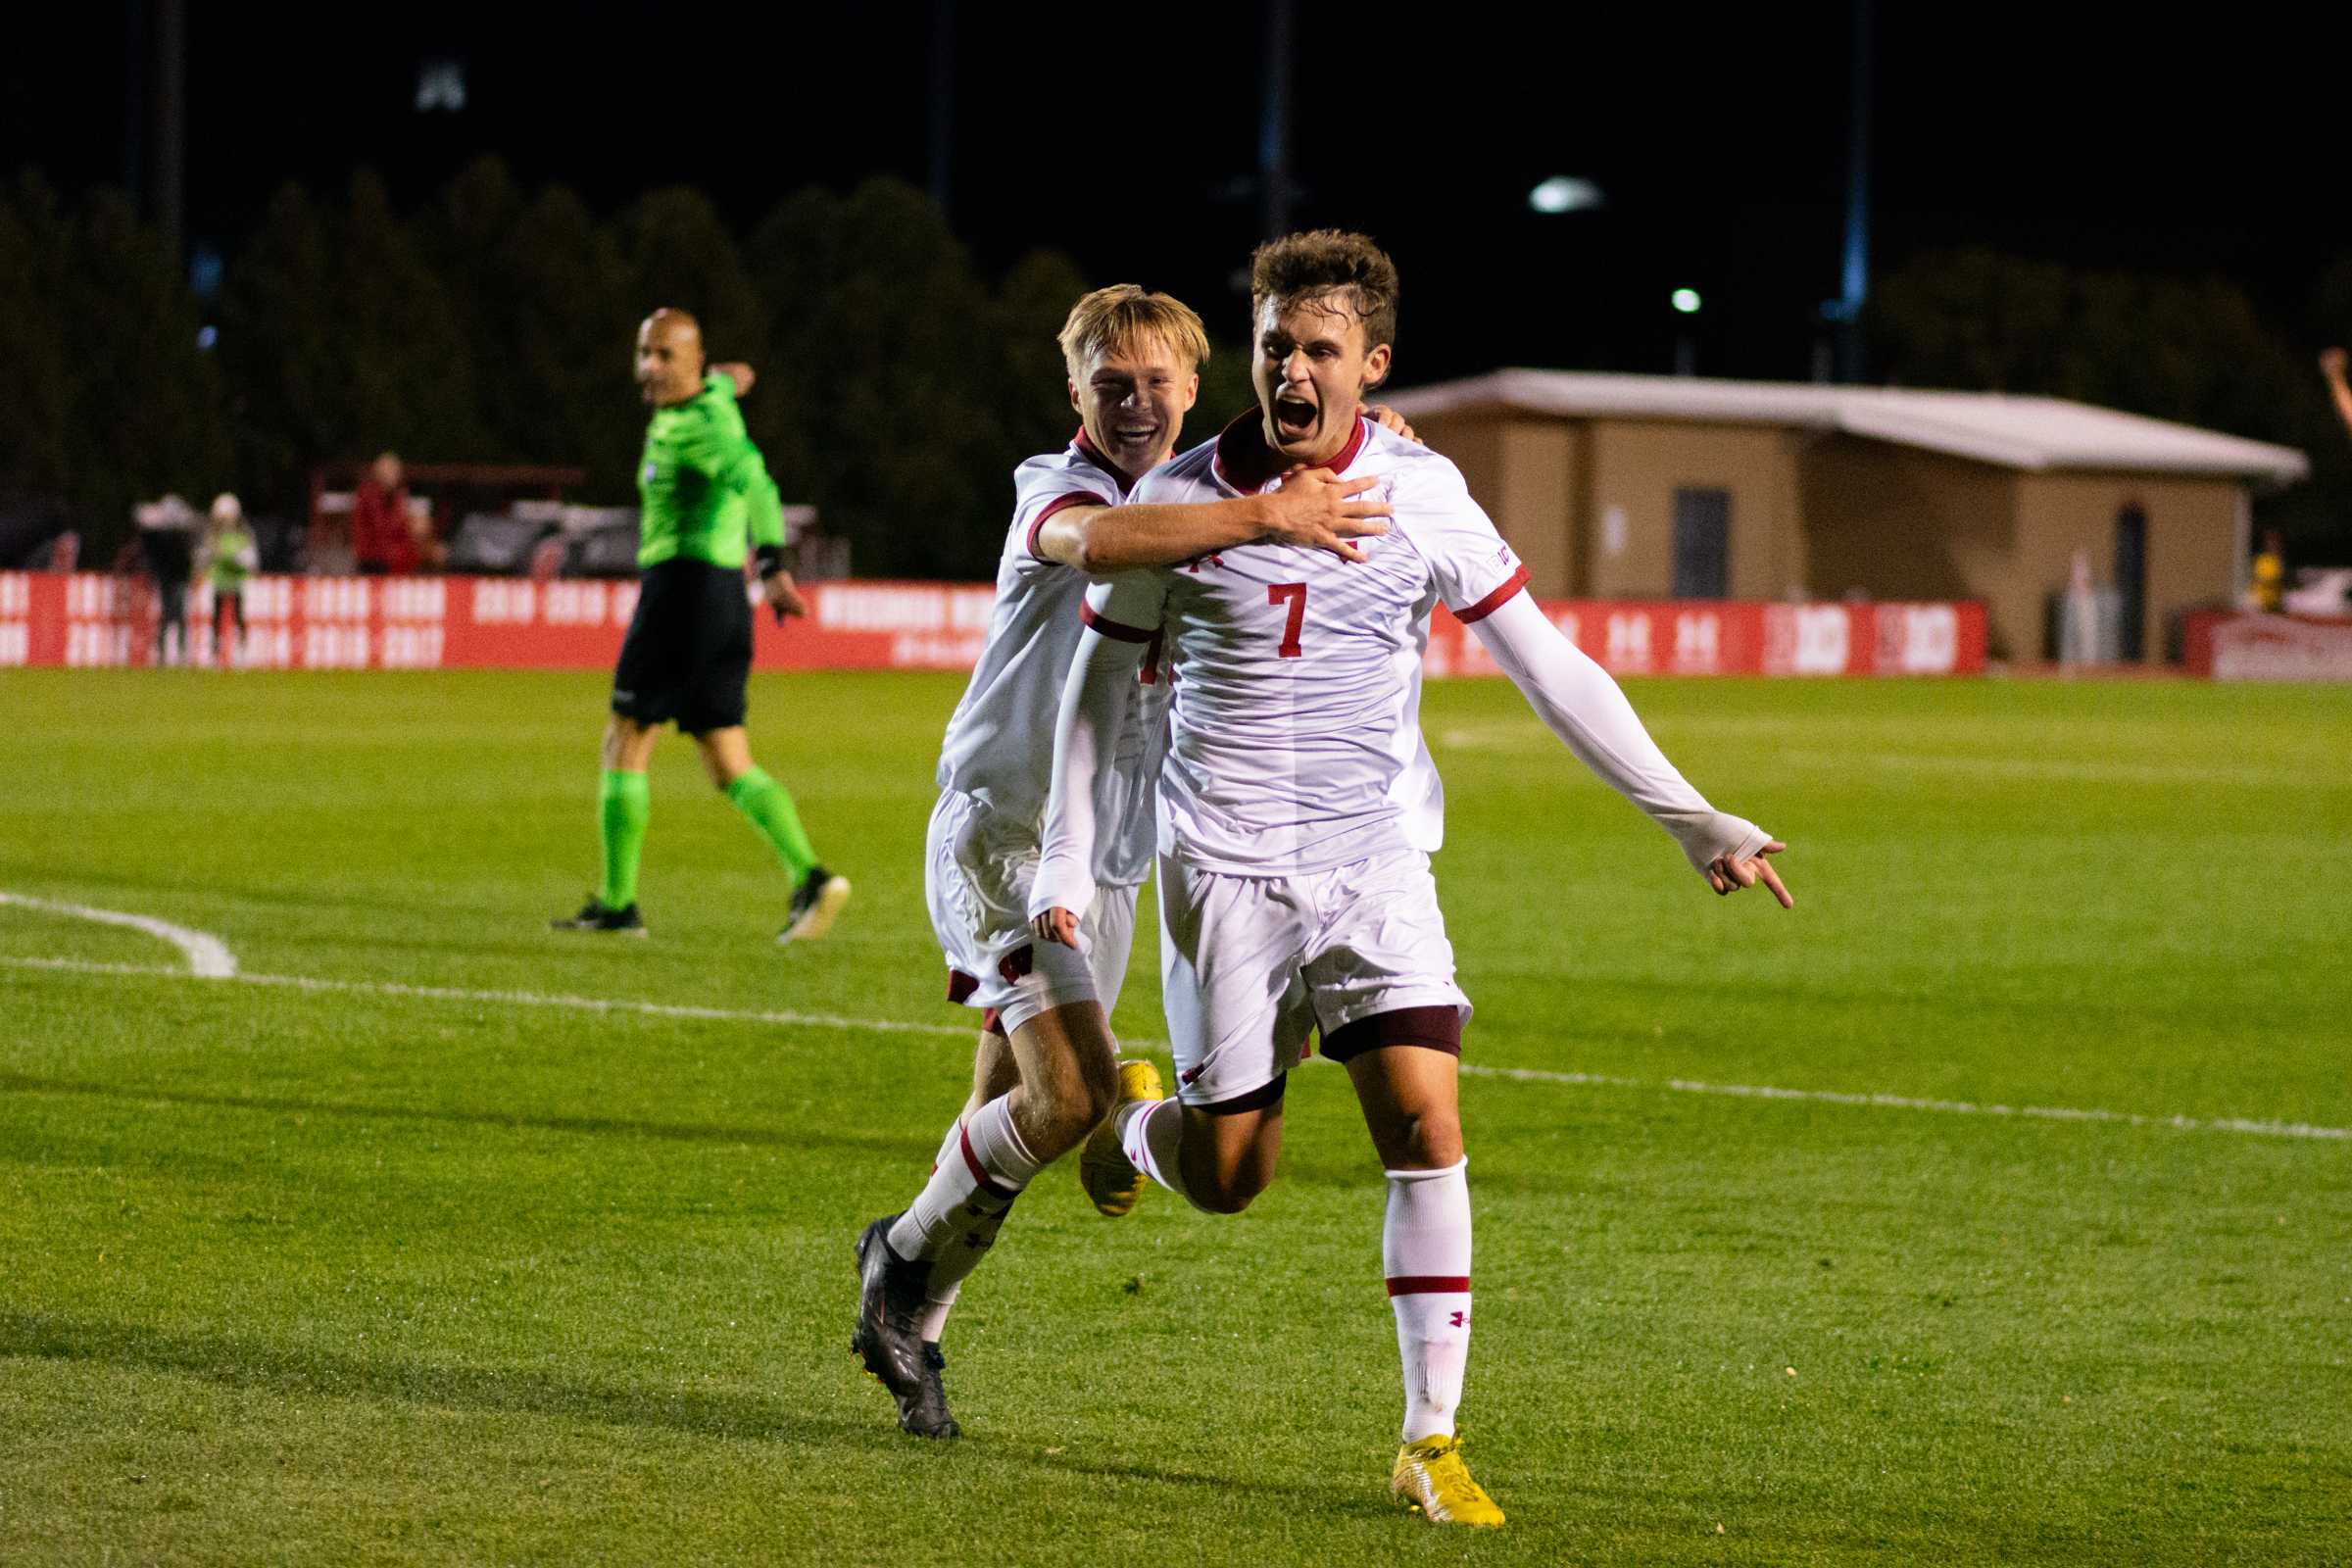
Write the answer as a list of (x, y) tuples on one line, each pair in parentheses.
[(653, 471)]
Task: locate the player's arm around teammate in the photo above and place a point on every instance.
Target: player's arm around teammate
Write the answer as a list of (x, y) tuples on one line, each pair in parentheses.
[(1313, 508)]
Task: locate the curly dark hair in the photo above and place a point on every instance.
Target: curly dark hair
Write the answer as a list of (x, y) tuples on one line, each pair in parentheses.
[(1326, 261)]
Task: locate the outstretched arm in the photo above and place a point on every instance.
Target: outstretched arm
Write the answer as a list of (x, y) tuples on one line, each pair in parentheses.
[(1587, 709), (2332, 365), (1093, 711)]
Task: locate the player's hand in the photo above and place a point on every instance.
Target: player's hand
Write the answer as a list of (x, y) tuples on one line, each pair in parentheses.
[(1728, 873), (783, 595), (1389, 420), (1057, 925), (1317, 508), (2333, 363), (742, 374)]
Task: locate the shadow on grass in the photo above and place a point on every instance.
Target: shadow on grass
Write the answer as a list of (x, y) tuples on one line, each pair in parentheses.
[(249, 1363), (1369, 1502), (802, 1136)]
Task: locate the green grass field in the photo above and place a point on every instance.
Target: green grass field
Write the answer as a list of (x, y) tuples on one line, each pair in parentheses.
[(316, 1266)]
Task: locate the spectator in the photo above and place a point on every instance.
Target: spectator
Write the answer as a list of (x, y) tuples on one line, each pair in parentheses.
[(382, 535), (2333, 364), (229, 559), (2269, 573), (168, 547)]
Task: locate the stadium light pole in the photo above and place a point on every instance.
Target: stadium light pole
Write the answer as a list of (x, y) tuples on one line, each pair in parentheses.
[(1274, 189), (943, 100), (1685, 303), (1846, 310)]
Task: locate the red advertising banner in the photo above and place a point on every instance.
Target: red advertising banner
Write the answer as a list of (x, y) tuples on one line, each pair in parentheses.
[(88, 619), (2231, 645)]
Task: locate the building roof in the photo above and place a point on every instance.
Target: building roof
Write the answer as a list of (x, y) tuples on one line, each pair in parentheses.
[(2014, 432)]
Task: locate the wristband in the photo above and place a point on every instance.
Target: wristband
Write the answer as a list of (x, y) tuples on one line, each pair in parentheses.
[(771, 559)]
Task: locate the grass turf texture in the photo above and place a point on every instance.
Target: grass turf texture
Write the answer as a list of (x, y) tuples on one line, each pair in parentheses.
[(342, 1276)]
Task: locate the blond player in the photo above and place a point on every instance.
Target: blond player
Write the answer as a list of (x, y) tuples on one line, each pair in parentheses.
[(1046, 1071), (1298, 806)]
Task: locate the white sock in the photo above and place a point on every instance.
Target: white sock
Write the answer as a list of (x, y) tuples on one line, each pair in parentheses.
[(1152, 1137), (987, 1168), (941, 1298), (1425, 1252)]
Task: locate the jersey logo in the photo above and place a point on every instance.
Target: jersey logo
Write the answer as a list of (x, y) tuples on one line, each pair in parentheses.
[(1212, 559), (652, 471)]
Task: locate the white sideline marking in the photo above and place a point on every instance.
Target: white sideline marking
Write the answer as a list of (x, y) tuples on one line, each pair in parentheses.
[(1954, 1107), (207, 956), (519, 998), (824, 1020)]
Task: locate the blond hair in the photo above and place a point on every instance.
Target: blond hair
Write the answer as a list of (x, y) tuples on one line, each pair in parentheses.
[(1123, 316), (1324, 262)]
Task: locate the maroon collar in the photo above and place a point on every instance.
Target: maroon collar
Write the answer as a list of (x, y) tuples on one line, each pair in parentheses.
[(1093, 455), (1245, 462)]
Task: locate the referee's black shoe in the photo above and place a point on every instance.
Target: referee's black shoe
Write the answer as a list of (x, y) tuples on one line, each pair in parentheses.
[(815, 905), (594, 916)]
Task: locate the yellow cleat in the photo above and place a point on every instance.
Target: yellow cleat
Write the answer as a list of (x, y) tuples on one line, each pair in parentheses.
[(1431, 1479), (1110, 1178)]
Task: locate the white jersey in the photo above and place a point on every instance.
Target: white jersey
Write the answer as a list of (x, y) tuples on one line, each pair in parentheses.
[(1295, 742), (1000, 742)]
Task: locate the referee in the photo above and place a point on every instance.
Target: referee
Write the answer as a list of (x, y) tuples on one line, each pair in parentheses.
[(708, 502)]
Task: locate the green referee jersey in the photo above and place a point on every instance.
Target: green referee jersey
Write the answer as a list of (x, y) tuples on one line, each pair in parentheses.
[(703, 486)]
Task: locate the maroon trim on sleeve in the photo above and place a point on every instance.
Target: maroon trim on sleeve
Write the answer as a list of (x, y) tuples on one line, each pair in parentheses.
[(1115, 630), (1432, 1028), (1494, 600), (1061, 503)]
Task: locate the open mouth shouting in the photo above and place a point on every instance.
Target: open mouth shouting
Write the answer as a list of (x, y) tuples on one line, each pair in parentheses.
[(1296, 419)]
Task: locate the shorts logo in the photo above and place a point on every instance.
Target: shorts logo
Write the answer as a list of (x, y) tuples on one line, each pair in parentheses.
[(620, 696)]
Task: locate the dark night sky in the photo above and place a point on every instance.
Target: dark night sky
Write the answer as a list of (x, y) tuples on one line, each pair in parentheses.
[(1719, 136)]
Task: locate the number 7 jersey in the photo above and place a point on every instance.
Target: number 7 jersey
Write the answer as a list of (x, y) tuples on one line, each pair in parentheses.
[(1294, 741)]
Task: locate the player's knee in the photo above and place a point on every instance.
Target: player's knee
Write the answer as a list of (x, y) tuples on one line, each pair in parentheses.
[(1422, 1143), (1229, 1192)]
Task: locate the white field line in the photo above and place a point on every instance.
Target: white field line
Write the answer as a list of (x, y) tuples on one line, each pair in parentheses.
[(514, 998), (208, 956), (824, 1021)]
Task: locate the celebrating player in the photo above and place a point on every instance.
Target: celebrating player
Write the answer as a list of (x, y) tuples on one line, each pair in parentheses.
[(687, 657), (1047, 1071), (1297, 808)]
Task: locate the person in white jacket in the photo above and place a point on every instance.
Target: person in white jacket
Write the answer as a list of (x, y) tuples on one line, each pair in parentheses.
[(1298, 807)]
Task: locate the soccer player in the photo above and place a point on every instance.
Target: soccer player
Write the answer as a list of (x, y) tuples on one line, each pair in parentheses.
[(1297, 808), (707, 500), (1046, 1071)]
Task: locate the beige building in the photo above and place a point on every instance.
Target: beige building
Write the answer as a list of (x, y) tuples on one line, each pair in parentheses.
[(1666, 487)]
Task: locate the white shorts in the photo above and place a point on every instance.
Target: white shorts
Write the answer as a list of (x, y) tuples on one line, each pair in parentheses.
[(977, 869), (1249, 965)]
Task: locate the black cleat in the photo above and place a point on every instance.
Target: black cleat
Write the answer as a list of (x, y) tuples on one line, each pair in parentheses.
[(816, 904), (926, 1414), (889, 1337), (594, 916)]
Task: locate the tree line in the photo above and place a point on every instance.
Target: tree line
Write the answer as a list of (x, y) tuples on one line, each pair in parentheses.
[(899, 385)]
